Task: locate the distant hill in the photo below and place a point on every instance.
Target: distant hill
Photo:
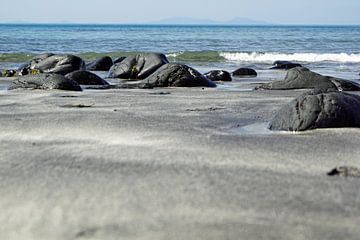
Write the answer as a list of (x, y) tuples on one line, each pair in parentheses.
[(199, 21)]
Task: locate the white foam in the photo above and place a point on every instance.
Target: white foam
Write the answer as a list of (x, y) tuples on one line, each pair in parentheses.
[(300, 57)]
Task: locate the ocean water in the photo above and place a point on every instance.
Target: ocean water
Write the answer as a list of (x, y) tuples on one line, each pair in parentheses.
[(333, 50)]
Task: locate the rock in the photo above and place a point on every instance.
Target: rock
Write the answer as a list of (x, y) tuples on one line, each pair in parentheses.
[(8, 73), (176, 75), (345, 171), (285, 65), (303, 78), (138, 67), (61, 64), (45, 81), (218, 75), (119, 60), (318, 109), (101, 64), (244, 72), (86, 78)]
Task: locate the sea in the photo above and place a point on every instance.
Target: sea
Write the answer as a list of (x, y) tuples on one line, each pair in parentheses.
[(330, 50)]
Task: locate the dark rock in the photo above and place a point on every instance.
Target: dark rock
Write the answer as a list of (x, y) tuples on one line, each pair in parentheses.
[(218, 75), (245, 72), (119, 60), (86, 78), (101, 64), (345, 171), (45, 81), (285, 65), (8, 73), (176, 75), (138, 67), (319, 109), (61, 64), (303, 78)]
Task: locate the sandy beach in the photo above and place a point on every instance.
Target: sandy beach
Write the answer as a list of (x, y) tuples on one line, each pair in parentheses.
[(170, 163)]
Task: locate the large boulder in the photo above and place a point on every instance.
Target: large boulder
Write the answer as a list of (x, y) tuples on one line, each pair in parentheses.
[(138, 67), (45, 81), (101, 64), (61, 64), (119, 60), (319, 109), (285, 65), (244, 72), (86, 78), (177, 75), (218, 75), (303, 78)]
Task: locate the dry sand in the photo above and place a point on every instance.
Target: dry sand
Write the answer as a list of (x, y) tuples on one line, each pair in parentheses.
[(192, 164)]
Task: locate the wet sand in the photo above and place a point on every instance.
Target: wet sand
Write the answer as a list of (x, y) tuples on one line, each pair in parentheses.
[(170, 163)]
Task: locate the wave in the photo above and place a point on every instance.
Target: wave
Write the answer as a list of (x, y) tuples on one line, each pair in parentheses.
[(299, 57), (211, 56)]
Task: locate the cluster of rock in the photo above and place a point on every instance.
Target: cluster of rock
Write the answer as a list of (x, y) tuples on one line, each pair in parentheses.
[(325, 106)]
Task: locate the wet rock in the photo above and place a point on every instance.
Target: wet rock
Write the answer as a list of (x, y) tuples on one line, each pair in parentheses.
[(119, 60), (45, 81), (286, 65), (345, 171), (245, 72), (86, 78), (303, 78), (101, 64), (8, 73), (176, 75), (218, 75), (318, 109), (138, 67), (61, 64)]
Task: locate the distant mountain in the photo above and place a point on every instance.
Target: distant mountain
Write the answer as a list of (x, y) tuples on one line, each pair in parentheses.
[(199, 21)]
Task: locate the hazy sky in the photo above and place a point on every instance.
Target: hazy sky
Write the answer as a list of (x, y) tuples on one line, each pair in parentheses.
[(137, 11)]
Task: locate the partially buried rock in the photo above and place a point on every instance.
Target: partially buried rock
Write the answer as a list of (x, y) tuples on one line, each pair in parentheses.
[(101, 64), (138, 67), (303, 78), (61, 64), (86, 78), (319, 109), (45, 81), (176, 75), (218, 75), (245, 72), (285, 65)]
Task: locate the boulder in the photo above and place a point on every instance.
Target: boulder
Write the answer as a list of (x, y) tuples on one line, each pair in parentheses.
[(285, 65), (101, 64), (318, 109), (119, 60), (45, 81), (303, 78), (61, 64), (218, 75), (176, 75), (86, 78), (138, 67), (245, 72)]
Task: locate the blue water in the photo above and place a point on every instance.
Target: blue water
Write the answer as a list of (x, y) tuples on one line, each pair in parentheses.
[(333, 49)]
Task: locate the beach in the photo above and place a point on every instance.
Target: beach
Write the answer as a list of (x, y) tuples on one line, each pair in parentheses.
[(172, 163), (131, 160)]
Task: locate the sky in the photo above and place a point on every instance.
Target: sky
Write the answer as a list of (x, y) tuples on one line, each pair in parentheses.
[(147, 11)]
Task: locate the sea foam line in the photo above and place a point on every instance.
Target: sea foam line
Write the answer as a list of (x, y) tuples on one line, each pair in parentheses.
[(301, 57)]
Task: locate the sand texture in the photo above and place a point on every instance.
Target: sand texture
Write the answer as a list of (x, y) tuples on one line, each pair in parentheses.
[(172, 163)]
